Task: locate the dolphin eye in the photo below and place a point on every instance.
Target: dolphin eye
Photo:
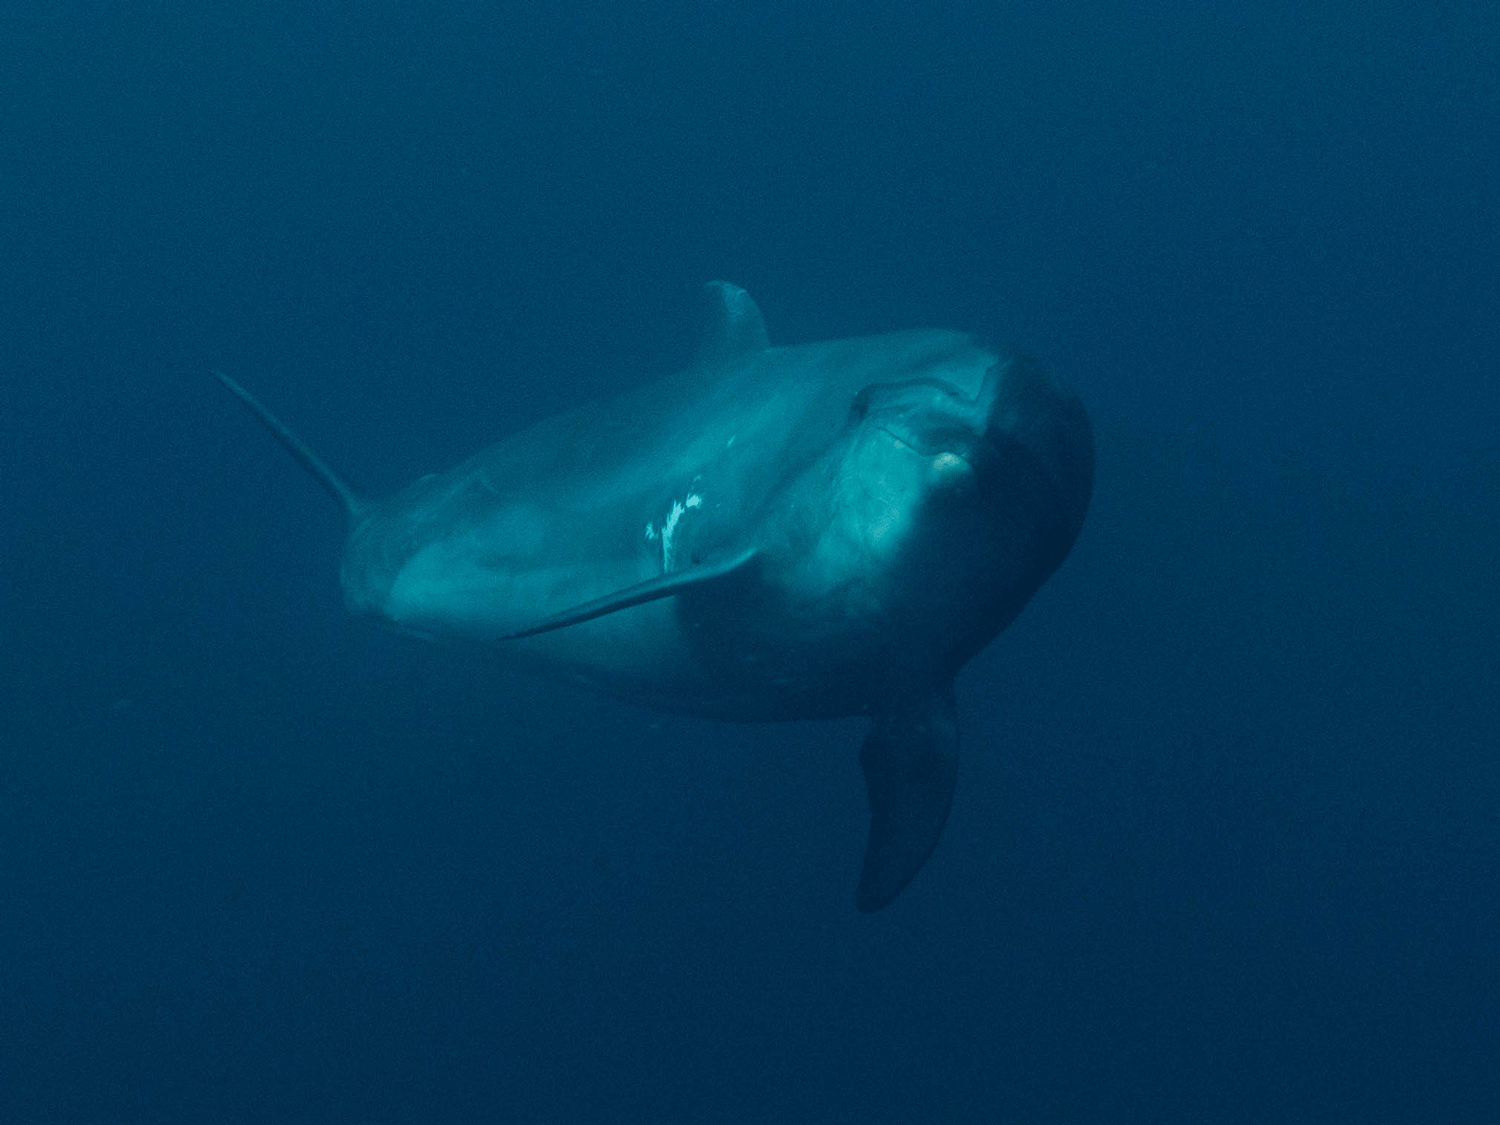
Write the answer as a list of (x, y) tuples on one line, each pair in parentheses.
[(860, 406)]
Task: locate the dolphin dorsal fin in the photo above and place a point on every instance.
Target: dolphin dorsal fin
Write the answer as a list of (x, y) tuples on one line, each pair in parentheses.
[(735, 326)]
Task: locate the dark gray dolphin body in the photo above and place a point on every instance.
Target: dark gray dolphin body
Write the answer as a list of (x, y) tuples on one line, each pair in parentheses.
[(775, 533)]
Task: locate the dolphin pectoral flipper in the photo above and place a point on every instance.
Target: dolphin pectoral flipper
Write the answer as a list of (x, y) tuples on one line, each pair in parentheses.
[(653, 589), (910, 759)]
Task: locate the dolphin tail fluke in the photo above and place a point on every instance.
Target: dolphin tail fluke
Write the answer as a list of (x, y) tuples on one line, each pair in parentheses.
[(910, 759), (354, 506)]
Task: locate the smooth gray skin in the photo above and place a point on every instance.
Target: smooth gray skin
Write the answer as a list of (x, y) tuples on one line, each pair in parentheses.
[(775, 533)]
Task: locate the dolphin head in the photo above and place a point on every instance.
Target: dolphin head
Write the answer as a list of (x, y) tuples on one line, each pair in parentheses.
[(1019, 449), (942, 511), (1020, 439), (910, 467)]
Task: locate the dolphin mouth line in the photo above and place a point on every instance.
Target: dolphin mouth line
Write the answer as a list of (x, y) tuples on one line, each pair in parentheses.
[(906, 443)]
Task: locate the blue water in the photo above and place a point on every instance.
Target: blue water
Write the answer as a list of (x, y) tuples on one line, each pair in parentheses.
[(1226, 842)]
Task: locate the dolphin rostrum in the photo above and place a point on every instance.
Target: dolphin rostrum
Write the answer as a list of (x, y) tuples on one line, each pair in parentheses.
[(799, 532)]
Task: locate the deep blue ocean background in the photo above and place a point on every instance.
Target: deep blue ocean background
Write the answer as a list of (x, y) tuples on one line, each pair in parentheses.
[(1226, 842)]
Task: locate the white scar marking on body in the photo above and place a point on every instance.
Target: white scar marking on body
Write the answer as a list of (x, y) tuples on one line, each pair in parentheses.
[(668, 529)]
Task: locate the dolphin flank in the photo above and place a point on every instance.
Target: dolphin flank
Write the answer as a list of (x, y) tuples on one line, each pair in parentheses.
[(775, 533)]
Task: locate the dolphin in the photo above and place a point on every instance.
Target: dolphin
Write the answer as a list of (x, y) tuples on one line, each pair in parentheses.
[(774, 533)]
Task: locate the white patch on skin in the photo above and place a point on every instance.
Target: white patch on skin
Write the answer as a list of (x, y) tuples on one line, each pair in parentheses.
[(669, 528), (949, 470)]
